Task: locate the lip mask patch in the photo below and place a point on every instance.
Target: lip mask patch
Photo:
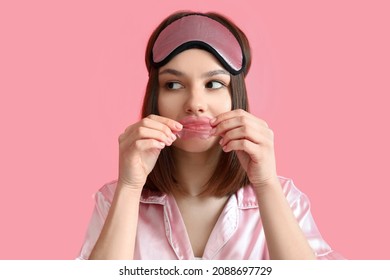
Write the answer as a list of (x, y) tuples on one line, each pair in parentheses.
[(195, 127)]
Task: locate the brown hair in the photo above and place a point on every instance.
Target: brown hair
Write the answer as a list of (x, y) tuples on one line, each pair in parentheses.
[(228, 176)]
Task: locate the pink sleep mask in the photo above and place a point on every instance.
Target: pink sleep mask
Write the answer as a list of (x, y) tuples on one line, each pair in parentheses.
[(199, 31)]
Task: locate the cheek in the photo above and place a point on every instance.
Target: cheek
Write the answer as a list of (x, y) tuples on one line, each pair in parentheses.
[(161, 106), (228, 105), (165, 106), (223, 104)]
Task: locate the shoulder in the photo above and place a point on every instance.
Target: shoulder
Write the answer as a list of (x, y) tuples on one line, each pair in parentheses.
[(290, 190), (107, 191)]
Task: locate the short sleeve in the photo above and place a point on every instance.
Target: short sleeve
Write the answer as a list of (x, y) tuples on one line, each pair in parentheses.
[(300, 206), (103, 199)]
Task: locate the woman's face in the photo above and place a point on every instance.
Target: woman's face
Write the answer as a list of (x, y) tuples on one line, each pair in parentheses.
[(194, 83)]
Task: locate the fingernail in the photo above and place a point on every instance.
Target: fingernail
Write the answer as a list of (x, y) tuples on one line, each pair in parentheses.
[(173, 136), (213, 120), (220, 142), (178, 125)]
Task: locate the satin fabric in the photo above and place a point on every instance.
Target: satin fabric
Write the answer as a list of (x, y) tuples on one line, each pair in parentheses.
[(199, 31), (238, 233)]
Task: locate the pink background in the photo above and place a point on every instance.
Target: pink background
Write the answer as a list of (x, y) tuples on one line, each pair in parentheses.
[(72, 78)]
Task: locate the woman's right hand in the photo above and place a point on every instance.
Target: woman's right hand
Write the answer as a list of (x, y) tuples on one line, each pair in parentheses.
[(140, 145)]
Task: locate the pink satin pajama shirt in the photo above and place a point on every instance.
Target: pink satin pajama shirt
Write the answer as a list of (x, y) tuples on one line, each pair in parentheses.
[(238, 233)]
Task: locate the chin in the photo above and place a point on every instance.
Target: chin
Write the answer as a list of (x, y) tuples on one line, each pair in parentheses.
[(196, 145)]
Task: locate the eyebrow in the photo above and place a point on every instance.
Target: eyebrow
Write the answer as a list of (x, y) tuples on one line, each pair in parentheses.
[(171, 71), (204, 75), (215, 72)]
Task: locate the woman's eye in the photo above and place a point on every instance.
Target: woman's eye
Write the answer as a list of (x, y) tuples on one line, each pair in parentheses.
[(214, 85), (173, 85)]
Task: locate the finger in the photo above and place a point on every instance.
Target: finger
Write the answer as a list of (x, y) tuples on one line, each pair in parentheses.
[(240, 133), (227, 125), (243, 145), (149, 122), (228, 115), (235, 122), (142, 132), (258, 135), (172, 124), (234, 114), (147, 144), (156, 125)]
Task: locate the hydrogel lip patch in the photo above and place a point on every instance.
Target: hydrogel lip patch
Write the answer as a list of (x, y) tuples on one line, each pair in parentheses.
[(195, 127), (189, 133)]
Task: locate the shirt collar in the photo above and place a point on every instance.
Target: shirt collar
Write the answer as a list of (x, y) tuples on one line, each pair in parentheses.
[(151, 197), (246, 198)]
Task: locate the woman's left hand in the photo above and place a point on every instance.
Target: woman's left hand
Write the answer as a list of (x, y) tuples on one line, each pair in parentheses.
[(253, 142)]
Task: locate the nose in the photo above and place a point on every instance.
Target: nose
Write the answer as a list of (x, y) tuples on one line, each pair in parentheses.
[(196, 101)]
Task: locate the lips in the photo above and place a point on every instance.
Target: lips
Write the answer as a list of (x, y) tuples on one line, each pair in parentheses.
[(196, 123), (195, 127)]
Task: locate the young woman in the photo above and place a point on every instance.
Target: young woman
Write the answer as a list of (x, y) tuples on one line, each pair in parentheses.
[(197, 174)]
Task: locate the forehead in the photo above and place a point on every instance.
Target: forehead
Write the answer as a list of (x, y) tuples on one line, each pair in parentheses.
[(193, 60)]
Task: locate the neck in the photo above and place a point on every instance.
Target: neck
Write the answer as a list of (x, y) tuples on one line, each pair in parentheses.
[(194, 170)]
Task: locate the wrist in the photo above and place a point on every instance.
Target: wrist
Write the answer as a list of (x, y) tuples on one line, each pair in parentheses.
[(128, 186), (268, 184)]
